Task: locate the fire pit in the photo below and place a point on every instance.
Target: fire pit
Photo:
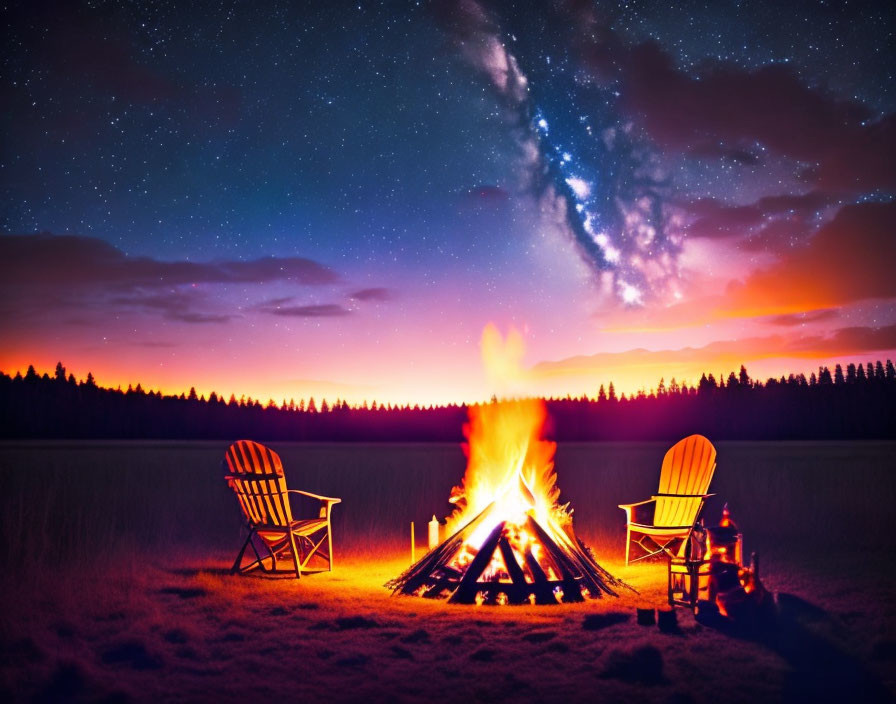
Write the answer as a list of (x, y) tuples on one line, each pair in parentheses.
[(512, 542)]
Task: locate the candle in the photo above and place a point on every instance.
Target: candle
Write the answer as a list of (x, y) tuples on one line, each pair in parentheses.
[(433, 533)]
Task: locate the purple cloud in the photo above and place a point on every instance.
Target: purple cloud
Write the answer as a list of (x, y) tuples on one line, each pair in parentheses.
[(74, 260), (69, 278), (321, 310), (372, 294)]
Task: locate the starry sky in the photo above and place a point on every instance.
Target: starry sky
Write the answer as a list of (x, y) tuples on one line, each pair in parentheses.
[(335, 200)]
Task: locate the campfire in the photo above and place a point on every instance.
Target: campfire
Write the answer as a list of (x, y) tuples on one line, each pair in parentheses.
[(511, 542)]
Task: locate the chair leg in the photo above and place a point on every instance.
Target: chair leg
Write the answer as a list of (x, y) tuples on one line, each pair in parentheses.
[(260, 561), (239, 557), (654, 548), (313, 548), (295, 555), (330, 543), (628, 542)]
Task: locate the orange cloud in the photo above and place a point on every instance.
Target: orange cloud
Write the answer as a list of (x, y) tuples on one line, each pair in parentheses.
[(772, 354), (849, 259)]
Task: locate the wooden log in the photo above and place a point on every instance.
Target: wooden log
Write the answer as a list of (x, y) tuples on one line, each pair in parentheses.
[(450, 572), (606, 576), (438, 587), (559, 558), (419, 573), (466, 590), (541, 588), (416, 575), (513, 567), (572, 590), (520, 589), (591, 578), (573, 561)]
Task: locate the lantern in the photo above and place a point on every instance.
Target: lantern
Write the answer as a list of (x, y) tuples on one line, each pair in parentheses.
[(709, 574), (724, 541), (688, 569)]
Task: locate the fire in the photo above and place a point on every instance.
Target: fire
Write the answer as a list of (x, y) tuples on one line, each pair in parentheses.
[(510, 473), (510, 539), (508, 464)]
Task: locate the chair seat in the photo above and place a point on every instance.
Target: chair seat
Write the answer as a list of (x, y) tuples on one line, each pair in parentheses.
[(659, 530), (300, 528)]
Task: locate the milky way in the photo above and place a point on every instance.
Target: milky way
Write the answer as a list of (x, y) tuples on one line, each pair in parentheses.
[(594, 178)]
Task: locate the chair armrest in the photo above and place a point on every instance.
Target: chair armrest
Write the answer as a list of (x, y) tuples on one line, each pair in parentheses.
[(632, 510), (326, 502), (681, 496), (624, 507), (326, 499)]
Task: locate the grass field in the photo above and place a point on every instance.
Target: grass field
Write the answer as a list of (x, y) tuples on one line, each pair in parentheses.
[(114, 561)]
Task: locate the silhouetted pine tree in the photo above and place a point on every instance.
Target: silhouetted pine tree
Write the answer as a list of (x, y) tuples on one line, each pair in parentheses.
[(858, 405)]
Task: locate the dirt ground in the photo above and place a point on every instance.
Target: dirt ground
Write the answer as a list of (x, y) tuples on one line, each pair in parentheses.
[(183, 629)]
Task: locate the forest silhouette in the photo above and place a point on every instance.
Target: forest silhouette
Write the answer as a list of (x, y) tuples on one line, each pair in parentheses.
[(858, 402)]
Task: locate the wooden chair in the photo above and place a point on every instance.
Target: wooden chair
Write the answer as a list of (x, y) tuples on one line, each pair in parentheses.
[(669, 515), (256, 475)]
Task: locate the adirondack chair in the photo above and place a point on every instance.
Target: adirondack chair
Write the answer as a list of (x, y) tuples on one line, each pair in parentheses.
[(255, 473), (658, 523)]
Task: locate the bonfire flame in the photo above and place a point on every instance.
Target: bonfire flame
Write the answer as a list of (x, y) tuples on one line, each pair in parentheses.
[(508, 463), (511, 541), (510, 472)]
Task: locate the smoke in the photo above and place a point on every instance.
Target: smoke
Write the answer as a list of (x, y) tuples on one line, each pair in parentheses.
[(595, 182), (502, 359)]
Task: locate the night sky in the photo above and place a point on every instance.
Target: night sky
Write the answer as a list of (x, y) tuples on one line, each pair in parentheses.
[(284, 201)]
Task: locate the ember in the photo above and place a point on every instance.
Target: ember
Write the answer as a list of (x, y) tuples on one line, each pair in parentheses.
[(512, 542)]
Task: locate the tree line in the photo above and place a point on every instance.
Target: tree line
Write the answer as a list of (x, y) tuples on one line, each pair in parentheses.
[(858, 402)]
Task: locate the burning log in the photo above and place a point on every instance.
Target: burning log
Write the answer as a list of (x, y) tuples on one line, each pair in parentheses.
[(467, 589), (563, 572), (543, 592), (420, 574)]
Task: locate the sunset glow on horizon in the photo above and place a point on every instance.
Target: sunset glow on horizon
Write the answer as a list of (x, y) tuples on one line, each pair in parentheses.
[(185, 210)]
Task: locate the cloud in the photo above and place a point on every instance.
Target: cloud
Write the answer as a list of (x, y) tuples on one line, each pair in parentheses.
[(732, 155), (631, 367), (724, 110), (179, 305), (849, 259), (846, 260), (769, 105), (811, 316), (74, 260), (849, 340), (372, 294), (322, 310), (285, 307), (779, 235), (69, 278), (770, 222), (715, 219)]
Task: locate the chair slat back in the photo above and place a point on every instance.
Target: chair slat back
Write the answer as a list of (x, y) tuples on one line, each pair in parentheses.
[(255, 473), (687, 469)]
